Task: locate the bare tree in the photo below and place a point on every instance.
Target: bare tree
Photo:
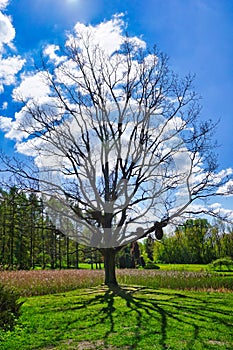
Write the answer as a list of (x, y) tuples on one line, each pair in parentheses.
[(118, 144)]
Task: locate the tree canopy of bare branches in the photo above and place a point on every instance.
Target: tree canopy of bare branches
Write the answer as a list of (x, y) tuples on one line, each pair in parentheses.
[(119, 146)]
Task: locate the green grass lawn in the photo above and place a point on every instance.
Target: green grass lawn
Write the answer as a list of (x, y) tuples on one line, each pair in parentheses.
[(184, 267), (176, 267), (88, 266), (128, 318)]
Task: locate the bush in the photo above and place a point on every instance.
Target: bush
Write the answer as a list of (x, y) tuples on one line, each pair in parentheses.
[(151, 266), (9, 307), (226, 262)]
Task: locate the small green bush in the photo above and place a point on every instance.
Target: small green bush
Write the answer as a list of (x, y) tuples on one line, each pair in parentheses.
[(150, 265), (226, 262), (9, 307)]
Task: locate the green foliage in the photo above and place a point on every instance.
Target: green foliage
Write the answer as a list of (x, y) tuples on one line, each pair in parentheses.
[(28, 240), (222, 263), (195, 242), (9, 307)]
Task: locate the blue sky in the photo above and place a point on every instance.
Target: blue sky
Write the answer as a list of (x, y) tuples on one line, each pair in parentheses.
[(197, 35)]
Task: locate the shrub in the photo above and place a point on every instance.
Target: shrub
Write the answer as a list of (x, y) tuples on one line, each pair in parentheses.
[(226, 262), (9, 307)]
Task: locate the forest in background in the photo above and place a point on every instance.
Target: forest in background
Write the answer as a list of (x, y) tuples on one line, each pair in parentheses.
[(29, 240)]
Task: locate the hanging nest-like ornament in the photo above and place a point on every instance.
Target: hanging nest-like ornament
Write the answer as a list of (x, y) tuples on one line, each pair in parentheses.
[(158, 229)]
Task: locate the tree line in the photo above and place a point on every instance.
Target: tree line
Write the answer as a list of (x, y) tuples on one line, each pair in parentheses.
[(195, 242), (28, 240)]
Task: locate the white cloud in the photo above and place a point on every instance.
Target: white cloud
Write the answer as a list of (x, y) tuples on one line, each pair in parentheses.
[(11, 128), (108, 35), (7, 31), (50, 51), (218, 210), (3, 4), (9, 67), (5, 123), (24, 124), (5, 105), (202, 209), (227, 188), (32, 86)]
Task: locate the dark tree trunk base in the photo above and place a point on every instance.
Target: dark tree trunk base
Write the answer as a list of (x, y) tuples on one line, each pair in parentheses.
[(110, 266)]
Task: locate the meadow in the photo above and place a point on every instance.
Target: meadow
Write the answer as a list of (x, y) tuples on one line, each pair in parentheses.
[(160, 309), (42, 282)]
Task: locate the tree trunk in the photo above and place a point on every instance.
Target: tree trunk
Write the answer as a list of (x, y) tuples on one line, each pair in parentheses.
[(67, 252), (77, 255), (110, 266)]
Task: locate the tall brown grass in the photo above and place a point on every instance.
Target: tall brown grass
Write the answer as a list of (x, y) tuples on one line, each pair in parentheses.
[(41, 282), (181, 280)]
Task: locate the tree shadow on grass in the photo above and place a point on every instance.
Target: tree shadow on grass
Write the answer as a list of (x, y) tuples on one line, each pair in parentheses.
[(186, 311), (141, 306), (145, 314)]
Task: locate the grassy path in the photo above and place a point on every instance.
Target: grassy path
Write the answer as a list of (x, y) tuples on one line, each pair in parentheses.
[(136, 318)]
